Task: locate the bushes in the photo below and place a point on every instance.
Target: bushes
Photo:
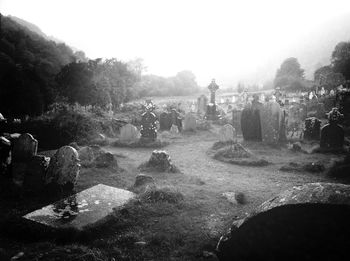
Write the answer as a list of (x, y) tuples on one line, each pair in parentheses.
[(65, 124)]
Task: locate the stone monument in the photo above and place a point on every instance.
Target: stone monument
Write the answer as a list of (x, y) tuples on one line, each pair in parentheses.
[(211, 108)]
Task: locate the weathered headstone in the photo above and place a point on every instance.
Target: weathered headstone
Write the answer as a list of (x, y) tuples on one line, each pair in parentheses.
[(312, 129), (250, 123), (64, 167), (190, 122), (211, 113), (83, 209), (174, 129), (270, 122), (129, 133), (165, 121), (176, 119), (149, 126), (202, 104), (236, 119), (24, 148), (332, 134), (227, 133)]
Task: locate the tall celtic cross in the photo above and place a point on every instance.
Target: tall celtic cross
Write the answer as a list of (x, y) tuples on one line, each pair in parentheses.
[(213, 87)]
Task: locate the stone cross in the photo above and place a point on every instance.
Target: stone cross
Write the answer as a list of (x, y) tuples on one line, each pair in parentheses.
[(213, 87)]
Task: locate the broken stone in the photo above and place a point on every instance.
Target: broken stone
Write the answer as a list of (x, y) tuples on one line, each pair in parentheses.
[(159, 161), (143, 179)]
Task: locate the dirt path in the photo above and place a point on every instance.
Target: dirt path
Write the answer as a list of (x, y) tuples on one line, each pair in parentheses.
[(203, 180)]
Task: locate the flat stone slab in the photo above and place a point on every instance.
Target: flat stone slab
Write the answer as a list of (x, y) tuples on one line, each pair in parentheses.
[(82, 209)]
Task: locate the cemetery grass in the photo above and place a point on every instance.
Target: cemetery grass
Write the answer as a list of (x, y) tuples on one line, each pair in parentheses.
[(185, 227)]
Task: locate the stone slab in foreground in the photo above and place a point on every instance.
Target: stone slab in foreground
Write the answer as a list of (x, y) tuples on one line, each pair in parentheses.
[(82, 209)]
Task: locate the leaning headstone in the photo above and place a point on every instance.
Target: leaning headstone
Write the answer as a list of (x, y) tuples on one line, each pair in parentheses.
[(82, 210), (190, 122), (227, 133), (129, 133), (34, 179), (64, 167), (165, 121)]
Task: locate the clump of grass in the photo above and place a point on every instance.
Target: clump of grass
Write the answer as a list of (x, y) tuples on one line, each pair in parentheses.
[(162, 194), (142, 144)]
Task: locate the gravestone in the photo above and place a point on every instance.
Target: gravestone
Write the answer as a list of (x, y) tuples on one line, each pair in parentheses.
[(83, 209), (129, 133), (190, 122), (227, 133), (202, 104), (176, 119), (25, 147), (312, 128), (250, 123), (165, 121), (174, 129), (321, 110), (211, 113), (34, 179), (236, 119), (64, 167), (270, 122), (332, 134), (149, 126)]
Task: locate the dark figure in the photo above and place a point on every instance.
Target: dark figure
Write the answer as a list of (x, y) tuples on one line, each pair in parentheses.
[(176, 119)]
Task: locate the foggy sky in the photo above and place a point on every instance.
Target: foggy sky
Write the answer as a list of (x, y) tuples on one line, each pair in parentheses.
[(227, 40)]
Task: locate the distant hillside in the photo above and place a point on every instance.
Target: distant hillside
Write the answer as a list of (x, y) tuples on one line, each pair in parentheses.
[(28, 65)]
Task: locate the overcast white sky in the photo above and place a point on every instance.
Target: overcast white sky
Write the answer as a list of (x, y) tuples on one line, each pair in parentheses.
[(226, 40)]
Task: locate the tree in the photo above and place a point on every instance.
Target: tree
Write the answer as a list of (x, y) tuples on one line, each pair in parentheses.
[(341, 59), (289, 75), (326, 77)]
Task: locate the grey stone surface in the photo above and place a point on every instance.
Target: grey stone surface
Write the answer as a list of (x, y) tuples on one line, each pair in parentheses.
[(24, 148), (129, 133), (227, 133), (308, 222), (190, 122), (82, 209), (64, 167), (34, 179)]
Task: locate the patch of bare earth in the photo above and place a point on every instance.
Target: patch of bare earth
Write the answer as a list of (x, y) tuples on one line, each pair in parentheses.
[(190, 227)]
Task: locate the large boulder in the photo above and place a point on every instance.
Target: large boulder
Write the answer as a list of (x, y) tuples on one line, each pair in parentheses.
[(308, 222)]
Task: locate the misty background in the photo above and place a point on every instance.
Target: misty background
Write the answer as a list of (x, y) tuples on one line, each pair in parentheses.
[(232, 41)]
